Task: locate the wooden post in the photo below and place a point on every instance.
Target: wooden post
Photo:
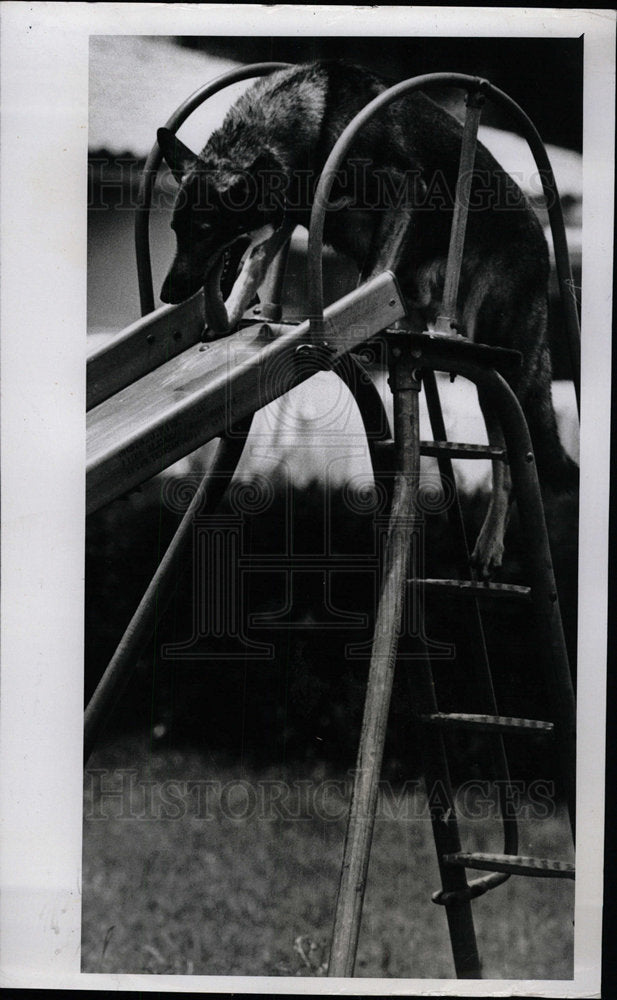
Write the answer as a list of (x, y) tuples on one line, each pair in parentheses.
[(405, 387)]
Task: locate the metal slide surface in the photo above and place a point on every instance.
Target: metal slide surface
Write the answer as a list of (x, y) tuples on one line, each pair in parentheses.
[(195, 396)]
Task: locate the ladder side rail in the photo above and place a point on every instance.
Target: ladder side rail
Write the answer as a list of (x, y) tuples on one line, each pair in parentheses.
[(155, 158), (545, 603), (455, 893)]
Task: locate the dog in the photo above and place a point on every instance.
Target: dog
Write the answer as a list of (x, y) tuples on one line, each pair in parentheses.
[(392, 207)]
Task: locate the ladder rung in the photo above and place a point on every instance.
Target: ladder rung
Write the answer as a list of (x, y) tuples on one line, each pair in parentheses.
[(454, 450), (512, 864), (488, 723), (471, 588)]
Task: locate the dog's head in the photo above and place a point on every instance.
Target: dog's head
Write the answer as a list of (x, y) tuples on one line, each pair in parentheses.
[(219, 207)]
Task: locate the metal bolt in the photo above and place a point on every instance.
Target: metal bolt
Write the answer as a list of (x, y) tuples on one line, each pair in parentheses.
[(177, 334), (150, 338), (529, 456), (392, 302), (256, 310)]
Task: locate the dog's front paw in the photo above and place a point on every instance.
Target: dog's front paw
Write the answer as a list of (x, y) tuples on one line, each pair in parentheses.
[(487, 555)]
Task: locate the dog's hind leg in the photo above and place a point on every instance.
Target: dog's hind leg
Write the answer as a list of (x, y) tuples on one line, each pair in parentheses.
[(488, 552)]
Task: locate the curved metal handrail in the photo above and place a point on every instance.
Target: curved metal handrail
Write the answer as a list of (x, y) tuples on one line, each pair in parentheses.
[(549, 186), (155, 158)]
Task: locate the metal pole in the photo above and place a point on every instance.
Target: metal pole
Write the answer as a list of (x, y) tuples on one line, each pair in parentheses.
[(207, 497), (446, 321), (405, 387)]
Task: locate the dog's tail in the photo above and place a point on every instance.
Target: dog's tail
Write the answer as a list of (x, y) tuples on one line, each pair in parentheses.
[(556, 470)]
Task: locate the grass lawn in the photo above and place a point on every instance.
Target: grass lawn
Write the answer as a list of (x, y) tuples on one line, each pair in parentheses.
[(204, 866)]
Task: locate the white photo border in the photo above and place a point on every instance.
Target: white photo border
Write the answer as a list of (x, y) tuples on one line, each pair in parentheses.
[(44, 92)]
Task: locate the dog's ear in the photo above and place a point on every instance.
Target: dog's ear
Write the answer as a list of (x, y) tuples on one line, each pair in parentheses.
[(178, 157)]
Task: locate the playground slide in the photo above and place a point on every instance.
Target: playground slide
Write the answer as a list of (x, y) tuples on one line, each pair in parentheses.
[(152, 402)]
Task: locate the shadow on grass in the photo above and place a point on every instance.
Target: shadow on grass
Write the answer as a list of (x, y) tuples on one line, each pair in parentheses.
[(196, 865)]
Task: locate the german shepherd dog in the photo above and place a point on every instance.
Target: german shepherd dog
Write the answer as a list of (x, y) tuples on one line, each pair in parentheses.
[(393, 199)]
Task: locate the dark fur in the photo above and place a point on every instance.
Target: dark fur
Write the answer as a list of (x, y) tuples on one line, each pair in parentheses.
[(285, 126)]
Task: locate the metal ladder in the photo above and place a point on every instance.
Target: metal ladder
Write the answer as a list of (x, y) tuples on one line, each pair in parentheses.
[(454, 894), (413, 360)]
